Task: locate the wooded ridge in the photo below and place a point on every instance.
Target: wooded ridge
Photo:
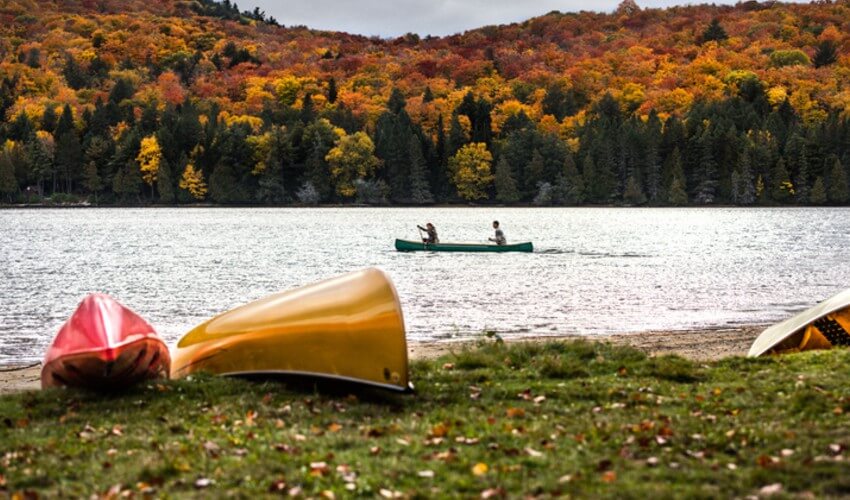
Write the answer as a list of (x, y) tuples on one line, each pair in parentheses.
[(168, 101)]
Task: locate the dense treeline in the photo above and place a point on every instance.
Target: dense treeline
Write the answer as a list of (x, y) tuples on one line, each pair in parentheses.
[(115, 125)]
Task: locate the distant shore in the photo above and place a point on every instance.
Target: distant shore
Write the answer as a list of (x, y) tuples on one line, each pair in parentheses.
[(697, 345)]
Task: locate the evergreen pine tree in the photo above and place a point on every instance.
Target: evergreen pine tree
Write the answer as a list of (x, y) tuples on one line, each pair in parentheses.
[(633, 194), (534, 170), (714, 32), (590, 179), (817, 195), (801, 184), (127, 182), (826, 54), (676, 193), (420, 190), (165, 182), (653, 174), (569, 188), (743, 190), (506, 188), (69, 158), (544, 195), (49, 119), (40, 161), (8, 182), (332, 91), (440, 167), (75, 77), (762, 195), (839, 191), (318, 174), (92, 181), (457, 137), (782, 190), (308, 111), (706, 172)]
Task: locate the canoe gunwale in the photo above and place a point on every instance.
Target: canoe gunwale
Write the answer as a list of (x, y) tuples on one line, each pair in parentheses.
[(253, 373)]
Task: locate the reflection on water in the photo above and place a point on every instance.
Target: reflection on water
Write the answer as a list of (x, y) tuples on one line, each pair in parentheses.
[(593, 271)]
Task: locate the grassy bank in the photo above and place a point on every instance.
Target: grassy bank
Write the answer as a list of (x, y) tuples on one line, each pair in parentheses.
[(545, 419)]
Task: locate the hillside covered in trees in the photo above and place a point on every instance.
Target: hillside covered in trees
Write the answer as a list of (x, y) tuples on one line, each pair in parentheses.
[(177, 101)]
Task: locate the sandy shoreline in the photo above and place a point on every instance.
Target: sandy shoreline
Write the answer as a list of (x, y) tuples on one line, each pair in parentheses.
[(700, 345)]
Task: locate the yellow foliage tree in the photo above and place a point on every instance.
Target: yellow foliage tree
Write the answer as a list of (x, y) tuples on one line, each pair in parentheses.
[(149, 158), (193, 182), (352, 158), (471, 169)]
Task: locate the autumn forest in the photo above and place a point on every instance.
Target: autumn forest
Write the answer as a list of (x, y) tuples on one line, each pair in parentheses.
[(176, 101)]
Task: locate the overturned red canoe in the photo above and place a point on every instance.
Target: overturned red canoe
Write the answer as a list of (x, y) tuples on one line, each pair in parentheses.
[(104, 346)]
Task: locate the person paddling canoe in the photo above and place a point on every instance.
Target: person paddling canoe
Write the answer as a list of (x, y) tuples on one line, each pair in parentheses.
[(432, 238), (500, 236)]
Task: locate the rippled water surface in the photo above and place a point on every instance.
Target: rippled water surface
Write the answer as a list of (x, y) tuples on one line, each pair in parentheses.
[(594, 270)]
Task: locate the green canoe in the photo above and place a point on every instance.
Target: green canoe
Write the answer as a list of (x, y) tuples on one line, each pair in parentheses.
[(414, 246)]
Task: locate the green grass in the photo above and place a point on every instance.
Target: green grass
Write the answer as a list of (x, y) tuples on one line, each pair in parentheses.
[(551, 419)]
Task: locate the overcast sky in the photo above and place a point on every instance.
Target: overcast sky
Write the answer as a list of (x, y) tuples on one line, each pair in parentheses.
[(389, 18)]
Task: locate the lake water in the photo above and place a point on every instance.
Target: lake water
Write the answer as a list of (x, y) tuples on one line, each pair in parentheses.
[(594, 270)]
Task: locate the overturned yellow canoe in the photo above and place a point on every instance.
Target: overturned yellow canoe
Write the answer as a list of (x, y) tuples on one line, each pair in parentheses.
[(348, 328), (824, 326)]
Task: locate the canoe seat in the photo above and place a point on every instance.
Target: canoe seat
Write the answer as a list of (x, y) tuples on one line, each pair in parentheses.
[(833, 331)]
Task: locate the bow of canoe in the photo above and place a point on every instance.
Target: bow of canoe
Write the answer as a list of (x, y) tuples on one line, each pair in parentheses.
[(418, 246)]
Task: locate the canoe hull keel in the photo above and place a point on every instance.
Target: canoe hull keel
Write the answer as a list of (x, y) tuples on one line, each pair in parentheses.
[(347, 328), (418, 246)]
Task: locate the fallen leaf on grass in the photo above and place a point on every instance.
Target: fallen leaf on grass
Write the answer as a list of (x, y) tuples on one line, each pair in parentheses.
[(390, 494), (277, 486), (87, 434), (334, 427), (533, 453), (439, 430), (515, 412), (328, 494), (770, 490), (493, 493), (319, 469), (609, 476), (425, 473), (480, 469), (203, 483)]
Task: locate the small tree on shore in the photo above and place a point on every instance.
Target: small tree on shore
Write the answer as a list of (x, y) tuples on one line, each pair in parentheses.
[(839, 191), (817, 195), (506, 188), (633, 194), (91, 180)]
